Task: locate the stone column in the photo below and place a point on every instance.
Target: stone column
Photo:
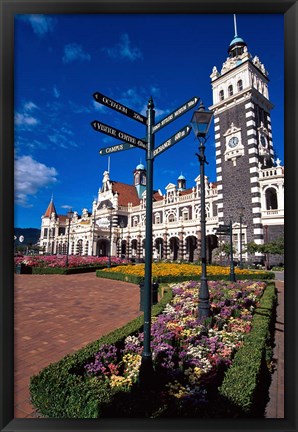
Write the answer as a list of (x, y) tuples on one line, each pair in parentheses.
[(181, 251)]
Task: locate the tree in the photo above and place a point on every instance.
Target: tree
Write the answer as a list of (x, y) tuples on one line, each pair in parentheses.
[(275, 247), (224, 249)]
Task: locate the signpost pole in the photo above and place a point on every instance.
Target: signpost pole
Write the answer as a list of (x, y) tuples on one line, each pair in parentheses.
[(146, 369), (232, 272)]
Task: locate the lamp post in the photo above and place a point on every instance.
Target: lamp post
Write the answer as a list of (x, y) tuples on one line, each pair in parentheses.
[(111, 208), (69, 215), (266, 241), (200, 122), (121, 240), (93, 234), (232, 268), (241, 211)]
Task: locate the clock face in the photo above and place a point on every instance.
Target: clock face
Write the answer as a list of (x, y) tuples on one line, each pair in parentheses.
[(233, 142)]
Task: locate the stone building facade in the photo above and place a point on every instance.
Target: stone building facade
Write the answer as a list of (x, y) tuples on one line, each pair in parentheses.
[(249, 182)]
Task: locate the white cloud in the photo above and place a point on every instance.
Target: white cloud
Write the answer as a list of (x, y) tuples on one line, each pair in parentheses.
[(74, 52), (56, 92), (124, 50), (29, 106), (25, 118), (41, 24), (30, 177)]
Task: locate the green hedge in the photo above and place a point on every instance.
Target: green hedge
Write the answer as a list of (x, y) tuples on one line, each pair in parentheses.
[(168, 279), (60, 391), (65, 270), (247, 379)]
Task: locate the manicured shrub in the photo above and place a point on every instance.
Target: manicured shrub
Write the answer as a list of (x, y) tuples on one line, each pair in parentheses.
[(245, 379), (64, 390)]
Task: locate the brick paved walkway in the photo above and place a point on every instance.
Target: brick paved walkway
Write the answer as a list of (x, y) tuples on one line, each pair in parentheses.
[(58, 314), (275, 407)]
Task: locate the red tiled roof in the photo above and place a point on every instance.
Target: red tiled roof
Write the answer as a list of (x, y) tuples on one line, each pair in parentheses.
[(126, 193), (51, 209), (157, 196), (62, 218)]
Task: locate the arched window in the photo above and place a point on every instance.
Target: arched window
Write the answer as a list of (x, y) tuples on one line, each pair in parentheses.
[(271, 199), (171, 217), (240, 85), (80, 247), (221, 95), (230, 90)]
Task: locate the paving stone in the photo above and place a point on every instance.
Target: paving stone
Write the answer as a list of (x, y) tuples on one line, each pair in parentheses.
[(56, 315)]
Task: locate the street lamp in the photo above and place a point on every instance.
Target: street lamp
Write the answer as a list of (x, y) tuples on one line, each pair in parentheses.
[(122, 224), (200, 122), (69, 215), (111, 208), (266, 241), (93, 234), (241, 211)]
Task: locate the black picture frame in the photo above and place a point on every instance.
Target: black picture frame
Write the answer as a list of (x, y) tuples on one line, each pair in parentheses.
[(8, 8)]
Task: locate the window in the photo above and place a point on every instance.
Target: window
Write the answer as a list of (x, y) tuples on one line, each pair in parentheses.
[(171, 218), (80, 247), (157, 218), (271, 199), (240, 85), (230, 90), (221, 95), (45, 232), (185, 214)]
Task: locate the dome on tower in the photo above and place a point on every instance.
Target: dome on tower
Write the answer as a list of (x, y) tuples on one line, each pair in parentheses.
[(181, 182), (140, 167), (236, 40), (237, 44)]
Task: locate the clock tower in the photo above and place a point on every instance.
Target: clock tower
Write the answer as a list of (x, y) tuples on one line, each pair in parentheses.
[(243, 136)]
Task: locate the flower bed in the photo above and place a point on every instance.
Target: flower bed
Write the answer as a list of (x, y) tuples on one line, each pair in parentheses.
[(169, 272), (190, 360), (41, 264)]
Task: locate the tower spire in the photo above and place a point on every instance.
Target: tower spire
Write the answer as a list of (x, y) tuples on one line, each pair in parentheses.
[(235, 26)]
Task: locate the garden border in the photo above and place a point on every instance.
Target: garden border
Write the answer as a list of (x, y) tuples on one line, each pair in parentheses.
[(123, 277), (58, 391)]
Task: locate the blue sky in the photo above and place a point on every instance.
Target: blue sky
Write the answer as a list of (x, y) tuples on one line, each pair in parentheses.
[(62, 60)]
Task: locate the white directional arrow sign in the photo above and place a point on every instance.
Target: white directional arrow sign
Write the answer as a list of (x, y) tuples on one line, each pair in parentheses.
[(173, 140), (116, 148), (104, 100), (109, 130), (175, 114)]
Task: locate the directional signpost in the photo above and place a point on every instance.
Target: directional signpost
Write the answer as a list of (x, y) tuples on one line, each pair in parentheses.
[(104, 100), (116, 148), (147, 144), (109, 130), (228, 230), (173, 140), (223, 229), (175, 114)]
